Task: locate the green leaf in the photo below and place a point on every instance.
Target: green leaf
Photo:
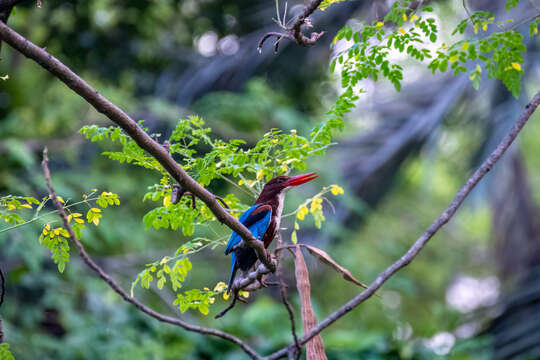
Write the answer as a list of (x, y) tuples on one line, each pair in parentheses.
[(511, 4), (161, 282), (204, 309), (5, 353)]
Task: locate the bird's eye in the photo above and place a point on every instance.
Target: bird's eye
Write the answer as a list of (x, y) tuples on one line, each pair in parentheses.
[(279, 180)]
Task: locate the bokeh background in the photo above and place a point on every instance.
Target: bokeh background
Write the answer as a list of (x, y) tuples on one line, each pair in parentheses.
[(473, 293)]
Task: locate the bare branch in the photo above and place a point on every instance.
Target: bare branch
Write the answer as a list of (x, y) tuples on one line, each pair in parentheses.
[(294, 32), (229, 307), (278, 37), (246, 282), (428, 234), (116, 288), (116, 115)]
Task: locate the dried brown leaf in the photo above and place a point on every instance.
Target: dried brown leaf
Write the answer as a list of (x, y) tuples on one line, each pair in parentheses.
[(325, 258), (315, 347)]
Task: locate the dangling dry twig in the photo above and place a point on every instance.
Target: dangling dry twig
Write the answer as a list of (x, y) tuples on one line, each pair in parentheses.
[(315, 347)]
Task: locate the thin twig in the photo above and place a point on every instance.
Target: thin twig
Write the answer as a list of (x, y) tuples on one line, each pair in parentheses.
[(114, 285), (229, 307), (413, 251), (145, 141), (35, 218), (467, 11), (270, 34), (237, 186), (223, 202)]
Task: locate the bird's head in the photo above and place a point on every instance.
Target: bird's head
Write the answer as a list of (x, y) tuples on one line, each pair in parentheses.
[(283, 183)]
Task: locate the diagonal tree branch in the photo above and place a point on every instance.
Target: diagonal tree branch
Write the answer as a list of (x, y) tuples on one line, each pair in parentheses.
[(116, 288), (428, 234), (119, 117)]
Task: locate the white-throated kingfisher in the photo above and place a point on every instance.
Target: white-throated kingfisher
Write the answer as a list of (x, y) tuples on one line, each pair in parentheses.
[(263, 220)]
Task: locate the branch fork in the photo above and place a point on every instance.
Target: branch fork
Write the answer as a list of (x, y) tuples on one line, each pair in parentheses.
[(294, 32)]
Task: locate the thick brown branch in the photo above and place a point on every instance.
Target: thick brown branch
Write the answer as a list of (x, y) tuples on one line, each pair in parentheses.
[(428, 234), (116, 288), (116, 115), (246, 282)]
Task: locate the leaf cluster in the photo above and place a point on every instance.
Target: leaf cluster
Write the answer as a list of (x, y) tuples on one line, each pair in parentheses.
[(369, 50), (10, 203), (207, 159), (55, 239), (500, 53), (5, 353)]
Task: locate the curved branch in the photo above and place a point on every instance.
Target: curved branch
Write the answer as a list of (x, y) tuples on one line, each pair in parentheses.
[(229, 307), (116, 115), (116, 288), (428, 234), (294, 32)]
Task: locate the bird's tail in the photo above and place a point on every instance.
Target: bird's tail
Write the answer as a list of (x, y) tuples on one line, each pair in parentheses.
[(233, 272)]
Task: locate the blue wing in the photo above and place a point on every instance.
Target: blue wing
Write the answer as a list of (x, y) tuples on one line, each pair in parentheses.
[(256, 219)]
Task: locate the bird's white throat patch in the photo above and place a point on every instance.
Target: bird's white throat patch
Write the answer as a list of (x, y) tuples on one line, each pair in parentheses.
[(281, 201)]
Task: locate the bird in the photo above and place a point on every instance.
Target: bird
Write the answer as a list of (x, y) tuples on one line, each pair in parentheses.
[(263, 220)]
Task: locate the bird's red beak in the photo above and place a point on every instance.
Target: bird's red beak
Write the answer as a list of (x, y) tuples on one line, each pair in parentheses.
[(301, 179)]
